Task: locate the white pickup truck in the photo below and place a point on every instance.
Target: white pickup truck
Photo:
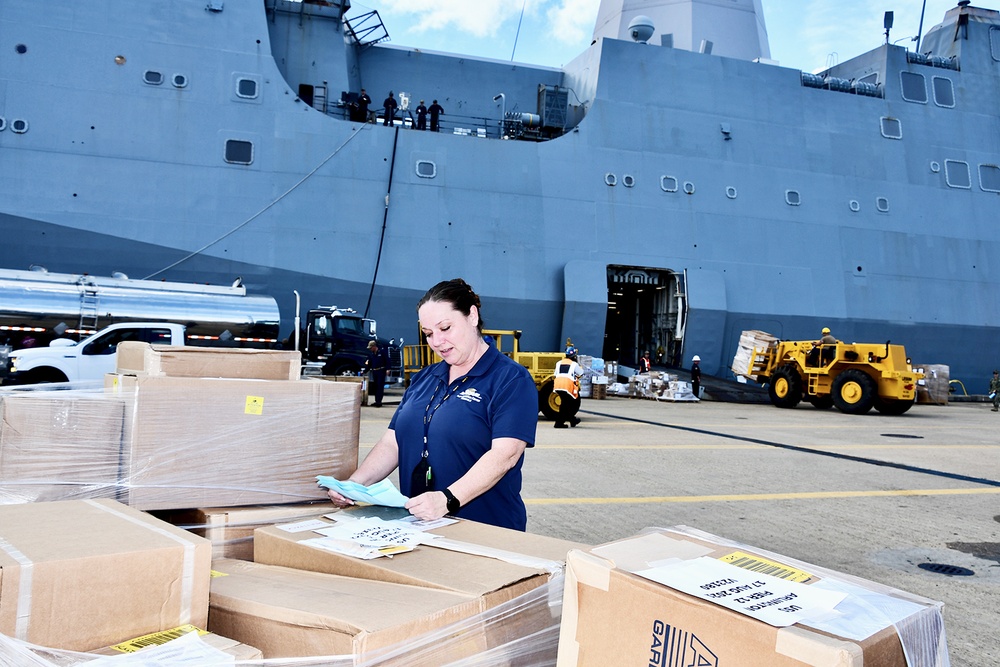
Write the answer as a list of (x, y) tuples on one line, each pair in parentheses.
[(65, 360)]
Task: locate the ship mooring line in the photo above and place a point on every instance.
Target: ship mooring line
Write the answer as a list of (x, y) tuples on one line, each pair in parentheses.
[(806, 450)]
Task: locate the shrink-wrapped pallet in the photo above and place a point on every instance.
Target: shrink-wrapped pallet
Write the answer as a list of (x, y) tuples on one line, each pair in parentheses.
[(752, 343)]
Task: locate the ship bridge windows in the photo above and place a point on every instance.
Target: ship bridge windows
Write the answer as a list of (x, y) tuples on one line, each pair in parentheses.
[(913, 87), (989, 177), (891, 128), (944, 91), (239, 152), (956, 174), (152, 77)]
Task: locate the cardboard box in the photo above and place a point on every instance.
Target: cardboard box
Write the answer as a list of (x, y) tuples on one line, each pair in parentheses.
[(293, 613), (612, 615), (137, 358), (508, 563), (230, 529), (82, 574), (228, 646), (59, 445), (219, 442)]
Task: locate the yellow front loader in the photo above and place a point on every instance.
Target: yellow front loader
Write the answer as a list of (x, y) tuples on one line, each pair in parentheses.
[(853, 377), (541, 365)]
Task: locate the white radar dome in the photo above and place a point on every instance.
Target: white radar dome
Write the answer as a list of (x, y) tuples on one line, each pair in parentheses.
[(641, 28)]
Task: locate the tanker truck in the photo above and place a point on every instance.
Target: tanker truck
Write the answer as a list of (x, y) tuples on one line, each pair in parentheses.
[(53, 327)]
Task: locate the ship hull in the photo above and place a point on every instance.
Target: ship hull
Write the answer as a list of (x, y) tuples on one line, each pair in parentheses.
[(692, 197)]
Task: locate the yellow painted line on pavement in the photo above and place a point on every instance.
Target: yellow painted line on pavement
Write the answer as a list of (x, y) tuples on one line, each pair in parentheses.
[(809, 495), (824, 447)]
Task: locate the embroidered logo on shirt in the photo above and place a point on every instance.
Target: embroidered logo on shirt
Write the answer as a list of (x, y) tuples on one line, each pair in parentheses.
[(470, 395)]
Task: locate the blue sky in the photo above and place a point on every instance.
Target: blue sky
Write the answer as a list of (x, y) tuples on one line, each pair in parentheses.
[(803, 34)]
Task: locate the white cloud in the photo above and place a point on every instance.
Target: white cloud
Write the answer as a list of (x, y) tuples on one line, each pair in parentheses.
[(481, 18), (573, 20)]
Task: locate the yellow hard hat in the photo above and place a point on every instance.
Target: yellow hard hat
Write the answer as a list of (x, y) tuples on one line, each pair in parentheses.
[(826, 330)]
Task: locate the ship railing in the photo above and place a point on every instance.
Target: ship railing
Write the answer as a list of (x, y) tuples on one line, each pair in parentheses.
[(481, 127)]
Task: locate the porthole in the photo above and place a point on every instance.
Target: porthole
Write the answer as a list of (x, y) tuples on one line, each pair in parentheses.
[(956, 174), (944, 91), (3, 123), (855, 206), (668, 183), (913, 87), (935, 166), (882, 204), (989, 177), (21, 49), (610, 179), (239, 152), (688, 188), (891, 128), (792, 197), (179, 81), (19, 125), (246, 88), (426, 169), (731, 192), (152, 77), (628, 181)]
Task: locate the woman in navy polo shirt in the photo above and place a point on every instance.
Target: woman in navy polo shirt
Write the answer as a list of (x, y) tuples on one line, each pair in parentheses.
[(459, 434)]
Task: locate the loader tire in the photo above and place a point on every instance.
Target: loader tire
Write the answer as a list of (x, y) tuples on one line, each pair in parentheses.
[(853, 392), (892, 406), (785, 387), (549, 401)]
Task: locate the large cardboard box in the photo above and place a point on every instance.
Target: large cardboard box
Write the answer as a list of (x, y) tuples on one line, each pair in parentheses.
[(230, 529), (612, 615), (492, 564), (221, 442), (292, 613), (137, 358), (59, 445), (83, 574)]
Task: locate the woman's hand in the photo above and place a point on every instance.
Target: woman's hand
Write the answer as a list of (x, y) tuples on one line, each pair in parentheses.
[(339, 500), (428, 506)]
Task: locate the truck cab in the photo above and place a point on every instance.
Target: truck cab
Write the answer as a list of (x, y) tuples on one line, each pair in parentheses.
[(336, 341), (65, 360)]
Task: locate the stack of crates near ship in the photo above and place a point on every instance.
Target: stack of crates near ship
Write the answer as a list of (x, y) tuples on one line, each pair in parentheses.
[(751, 355)]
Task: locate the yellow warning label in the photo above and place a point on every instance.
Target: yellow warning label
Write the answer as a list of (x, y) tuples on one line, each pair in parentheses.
[(156, 638), (216, 573), (766, 566), (255, 405)]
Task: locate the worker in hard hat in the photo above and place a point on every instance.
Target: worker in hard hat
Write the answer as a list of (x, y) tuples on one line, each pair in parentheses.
[(696, 376), (567, 383), (825, 340)]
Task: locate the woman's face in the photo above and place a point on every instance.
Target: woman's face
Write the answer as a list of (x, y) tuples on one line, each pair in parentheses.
[(452, 335)]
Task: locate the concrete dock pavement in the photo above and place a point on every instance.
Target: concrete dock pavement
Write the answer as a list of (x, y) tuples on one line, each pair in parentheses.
[(872, 496)]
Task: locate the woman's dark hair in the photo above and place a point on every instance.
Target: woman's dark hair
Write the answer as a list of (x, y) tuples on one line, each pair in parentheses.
[(459, 294)]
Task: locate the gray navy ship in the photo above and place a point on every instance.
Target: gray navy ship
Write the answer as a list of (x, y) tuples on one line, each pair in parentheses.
[(668, 189)]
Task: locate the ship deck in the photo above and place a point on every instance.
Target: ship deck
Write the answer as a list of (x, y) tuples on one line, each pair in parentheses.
[(871, 496)]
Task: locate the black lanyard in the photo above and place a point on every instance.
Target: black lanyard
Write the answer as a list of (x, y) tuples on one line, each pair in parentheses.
[(428, 416)]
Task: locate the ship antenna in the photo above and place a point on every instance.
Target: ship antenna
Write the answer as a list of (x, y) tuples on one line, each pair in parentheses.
[(920, 28), (518, 33)]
